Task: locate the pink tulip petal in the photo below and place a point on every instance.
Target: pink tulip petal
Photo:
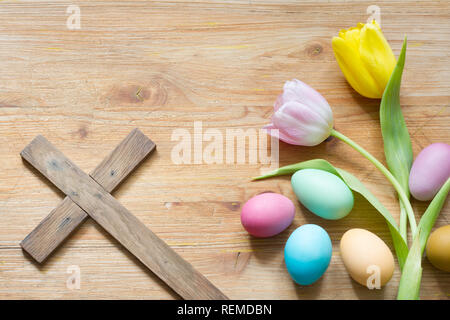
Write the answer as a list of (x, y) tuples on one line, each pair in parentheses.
[(278, 102), (299, 91), (284, 137), (301, 123), (276, 133), (302, 116)]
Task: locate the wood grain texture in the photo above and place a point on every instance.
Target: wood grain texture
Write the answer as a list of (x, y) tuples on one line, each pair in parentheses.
[(119, 222), (67, 216), (161, 65)]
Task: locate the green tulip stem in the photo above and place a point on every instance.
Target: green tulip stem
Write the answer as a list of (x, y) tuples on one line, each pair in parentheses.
[(401, 193), (403, 221)]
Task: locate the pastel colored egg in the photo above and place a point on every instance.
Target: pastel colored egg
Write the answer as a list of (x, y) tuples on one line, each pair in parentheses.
[(323, 193), (429, 171), (267, 214), (438, 248), (307, 254), (366, 257)]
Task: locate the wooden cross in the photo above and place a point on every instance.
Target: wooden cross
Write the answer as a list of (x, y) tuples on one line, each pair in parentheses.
[(90, 195)]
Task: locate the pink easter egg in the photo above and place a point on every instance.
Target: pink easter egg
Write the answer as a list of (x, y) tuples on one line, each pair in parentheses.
[(267, 214)]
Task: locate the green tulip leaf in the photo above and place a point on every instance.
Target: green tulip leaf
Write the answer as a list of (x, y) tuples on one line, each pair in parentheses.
[(430, 215), (397, 143), (354, 184), (409, 287)]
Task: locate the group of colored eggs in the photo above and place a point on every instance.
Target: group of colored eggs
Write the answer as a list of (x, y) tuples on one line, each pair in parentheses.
[(308, 250)]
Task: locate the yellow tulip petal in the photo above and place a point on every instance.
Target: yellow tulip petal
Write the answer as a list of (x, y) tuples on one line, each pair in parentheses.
[(376, 55), (375, 24), (342, 33), (352, 38), (347, 55)]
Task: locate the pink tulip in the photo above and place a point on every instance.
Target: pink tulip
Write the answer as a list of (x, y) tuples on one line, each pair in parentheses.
[(302, 116)]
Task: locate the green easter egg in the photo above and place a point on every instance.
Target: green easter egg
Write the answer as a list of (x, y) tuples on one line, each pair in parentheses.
[(323, 193)]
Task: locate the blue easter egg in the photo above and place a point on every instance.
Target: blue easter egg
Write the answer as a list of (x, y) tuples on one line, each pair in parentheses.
[(307, 253)]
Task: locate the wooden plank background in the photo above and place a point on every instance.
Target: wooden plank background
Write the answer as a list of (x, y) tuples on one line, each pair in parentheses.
[(163, 65)]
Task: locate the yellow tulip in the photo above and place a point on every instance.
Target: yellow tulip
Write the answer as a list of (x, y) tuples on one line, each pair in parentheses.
[(365, 58)]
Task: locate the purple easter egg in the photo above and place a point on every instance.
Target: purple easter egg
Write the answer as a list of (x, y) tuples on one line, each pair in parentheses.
[(267, 214), (429, 171)]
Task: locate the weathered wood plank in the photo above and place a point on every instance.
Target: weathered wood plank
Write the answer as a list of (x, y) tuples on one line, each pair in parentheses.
[(160, 66), (67, 216), (119, 222)]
